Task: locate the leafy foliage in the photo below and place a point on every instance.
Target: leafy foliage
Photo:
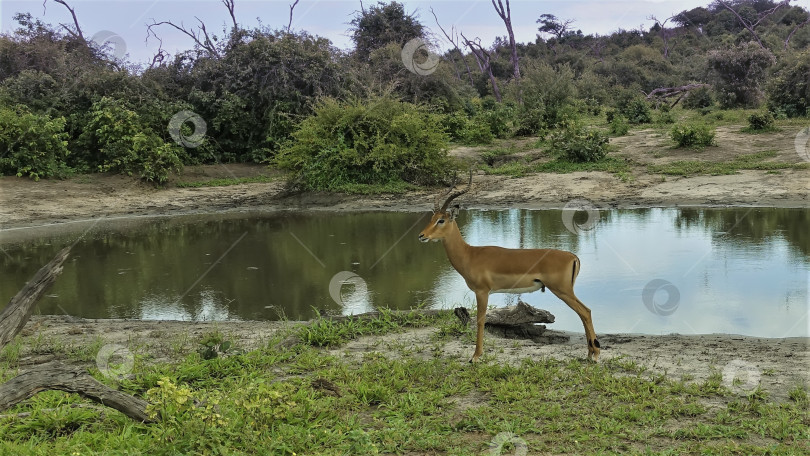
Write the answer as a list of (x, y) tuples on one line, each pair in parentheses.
[(381, 24), (367, 142), (761, 121), (578, 144), (692, 135), (126, 145), (31, 145), (740, 72), (789, 91)]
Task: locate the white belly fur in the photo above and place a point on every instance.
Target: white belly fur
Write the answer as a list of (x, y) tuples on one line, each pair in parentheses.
[(519, 290)]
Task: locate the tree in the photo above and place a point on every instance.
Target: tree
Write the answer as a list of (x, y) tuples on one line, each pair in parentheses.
[(752, 18), (506, 15), (383, 24), (739, 72), (557, 27)]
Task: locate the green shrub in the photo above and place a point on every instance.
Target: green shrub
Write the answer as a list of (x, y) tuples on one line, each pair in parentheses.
[(117, 140), (635, 109), (698, 98), (760, 121), (499, 120), (378, 141), (578, 144), (693, 135), (618, 125), (469, 131), (31, 145), (665, 117), (789, 91)]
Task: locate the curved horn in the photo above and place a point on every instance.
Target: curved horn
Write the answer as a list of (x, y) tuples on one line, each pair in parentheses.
[(455, 195)]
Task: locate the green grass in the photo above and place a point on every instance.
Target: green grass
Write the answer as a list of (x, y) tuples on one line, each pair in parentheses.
[(224, 182), (755, 161), (415, 400), (608, 164)]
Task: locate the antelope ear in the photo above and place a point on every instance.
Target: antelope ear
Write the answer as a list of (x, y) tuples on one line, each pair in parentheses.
[(454, 212)]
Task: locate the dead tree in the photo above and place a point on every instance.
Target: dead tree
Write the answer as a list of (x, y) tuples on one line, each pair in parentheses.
[(54, 375), (199, 36), (292, 8), (663, 33), (661, 93), (751, 26), (78, 32), (453, 39), (506, 16), (483, 58), (796, 29), (230, 5)]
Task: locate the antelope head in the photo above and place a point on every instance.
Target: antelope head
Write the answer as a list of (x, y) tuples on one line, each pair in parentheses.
[(443, 216)]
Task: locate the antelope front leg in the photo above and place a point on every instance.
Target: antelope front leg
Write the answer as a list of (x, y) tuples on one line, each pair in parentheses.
[(482, 300)]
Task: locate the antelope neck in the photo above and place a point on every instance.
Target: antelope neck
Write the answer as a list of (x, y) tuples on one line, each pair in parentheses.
[(455, 247)]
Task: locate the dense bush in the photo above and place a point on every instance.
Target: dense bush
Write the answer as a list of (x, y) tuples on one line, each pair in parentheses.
[(789, 91), (692, 135), (739, 73), (31, 145), (379, 141), (125, 145), (698, 98), (761, 121), (618, 125), (634, 108), (578, 144)]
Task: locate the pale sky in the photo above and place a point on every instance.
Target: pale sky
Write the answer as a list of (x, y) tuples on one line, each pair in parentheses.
[(330, 18)]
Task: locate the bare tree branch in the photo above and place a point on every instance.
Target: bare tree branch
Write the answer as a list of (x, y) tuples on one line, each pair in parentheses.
[(231, 4), (483, 57), (506, 16), (663, 32), (78, 33), (787, 40), (292, 7), (200, 36), (760, 17), (454, 41)]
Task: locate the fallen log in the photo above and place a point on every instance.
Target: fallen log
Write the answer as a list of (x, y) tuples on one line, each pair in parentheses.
[(54, 375), (57, 376), (520, 321)]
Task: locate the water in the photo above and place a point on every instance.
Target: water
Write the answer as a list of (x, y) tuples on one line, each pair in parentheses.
[(739, 270)]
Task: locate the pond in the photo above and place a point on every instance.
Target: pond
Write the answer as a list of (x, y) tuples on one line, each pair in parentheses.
[(689, 271)]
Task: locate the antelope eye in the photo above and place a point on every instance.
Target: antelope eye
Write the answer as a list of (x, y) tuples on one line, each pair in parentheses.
[(440, 221)]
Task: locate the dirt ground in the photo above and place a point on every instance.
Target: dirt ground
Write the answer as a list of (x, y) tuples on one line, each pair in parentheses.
[(775, 365), (24, 202), (778, 364)]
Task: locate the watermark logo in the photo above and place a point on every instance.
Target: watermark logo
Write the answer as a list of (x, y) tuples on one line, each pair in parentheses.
[(115, 361), (802, 144), (117, 44), (415, 61), (741, 376), (574, 207), (347, 278), (505, 440), (654, 305), (175, 129)]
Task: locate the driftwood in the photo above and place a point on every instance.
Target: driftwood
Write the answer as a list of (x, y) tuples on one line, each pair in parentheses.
[(19, 309), (520, 321), (54, 375)]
